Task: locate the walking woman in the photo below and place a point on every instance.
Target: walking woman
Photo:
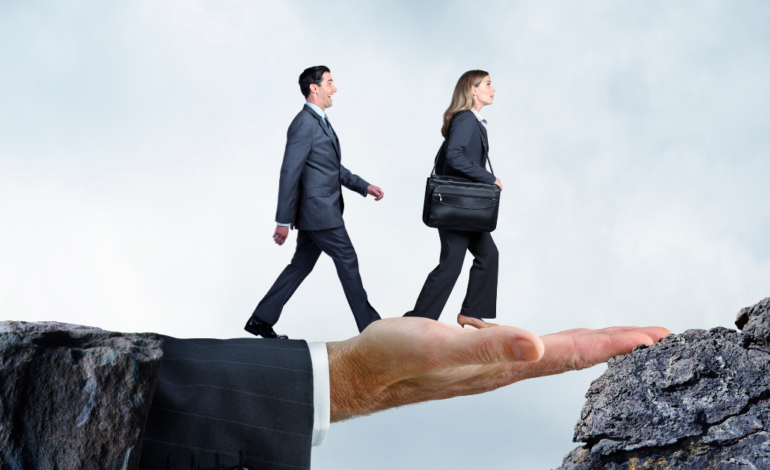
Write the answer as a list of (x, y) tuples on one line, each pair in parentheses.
[(463, 155)]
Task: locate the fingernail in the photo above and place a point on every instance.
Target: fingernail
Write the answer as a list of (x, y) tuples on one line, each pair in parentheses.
[(524, 350)]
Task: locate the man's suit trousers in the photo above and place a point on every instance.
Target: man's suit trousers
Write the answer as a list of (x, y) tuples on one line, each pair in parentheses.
[(336, 243), (481, 297)]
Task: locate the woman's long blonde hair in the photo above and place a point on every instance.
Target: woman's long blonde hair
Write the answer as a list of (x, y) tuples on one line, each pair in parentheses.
[(462, 98)]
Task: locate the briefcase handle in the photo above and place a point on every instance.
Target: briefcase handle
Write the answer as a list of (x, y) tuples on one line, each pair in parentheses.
[(483, 143)]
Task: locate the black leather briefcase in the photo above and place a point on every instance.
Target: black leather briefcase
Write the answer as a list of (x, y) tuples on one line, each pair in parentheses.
[(460, 204)]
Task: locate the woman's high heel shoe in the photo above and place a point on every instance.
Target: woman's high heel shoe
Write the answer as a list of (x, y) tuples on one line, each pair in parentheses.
[(474, 322)]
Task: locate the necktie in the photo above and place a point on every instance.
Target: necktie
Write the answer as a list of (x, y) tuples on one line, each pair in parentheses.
[(329, 124)]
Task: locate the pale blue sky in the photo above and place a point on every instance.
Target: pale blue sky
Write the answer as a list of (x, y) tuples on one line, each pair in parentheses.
[(140, 145)]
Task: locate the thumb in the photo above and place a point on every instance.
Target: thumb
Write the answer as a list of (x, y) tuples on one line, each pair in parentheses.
[(494, 345)]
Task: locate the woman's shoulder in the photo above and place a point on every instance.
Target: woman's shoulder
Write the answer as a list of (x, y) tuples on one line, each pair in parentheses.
[(463, 115), (462, 119)]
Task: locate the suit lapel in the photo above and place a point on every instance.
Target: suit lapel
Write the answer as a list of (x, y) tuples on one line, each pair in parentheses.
[(484, 139), (483, 130), (336, 141), (326, 130), (332, 135), (485, 145)]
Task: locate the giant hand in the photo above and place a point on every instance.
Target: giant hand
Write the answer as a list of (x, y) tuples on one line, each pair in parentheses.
[(400, 361)]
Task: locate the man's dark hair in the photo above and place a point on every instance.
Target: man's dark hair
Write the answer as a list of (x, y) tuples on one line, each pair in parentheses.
[(311, 75)]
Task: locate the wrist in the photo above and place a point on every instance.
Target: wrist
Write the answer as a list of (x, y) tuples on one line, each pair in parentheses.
[(347, 382)]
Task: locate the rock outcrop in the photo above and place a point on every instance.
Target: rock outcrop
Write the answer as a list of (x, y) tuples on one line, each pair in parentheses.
[(74, 397), (696, 400)]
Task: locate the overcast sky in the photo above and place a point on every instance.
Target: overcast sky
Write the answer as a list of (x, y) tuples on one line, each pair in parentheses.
[(141, 142)]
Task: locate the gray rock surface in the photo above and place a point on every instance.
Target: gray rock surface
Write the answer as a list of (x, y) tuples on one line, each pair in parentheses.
[(74, 397), (697, 400)]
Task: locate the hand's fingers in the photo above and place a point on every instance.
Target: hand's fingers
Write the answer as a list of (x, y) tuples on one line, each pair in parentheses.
[(279, 238), (574, 352), (589, 331), (623, 342), (491, 346), (616, 329), (575, 331), (653, 330), (656, 332)]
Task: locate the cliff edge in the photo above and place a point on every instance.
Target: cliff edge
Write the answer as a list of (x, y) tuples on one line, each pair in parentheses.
[(698, 400), (74, 397)]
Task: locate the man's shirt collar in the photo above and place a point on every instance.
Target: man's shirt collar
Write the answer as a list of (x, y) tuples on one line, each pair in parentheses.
[(316, 109)]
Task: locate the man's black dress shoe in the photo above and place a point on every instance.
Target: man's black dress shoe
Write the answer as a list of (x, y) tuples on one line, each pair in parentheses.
[(260, 328)]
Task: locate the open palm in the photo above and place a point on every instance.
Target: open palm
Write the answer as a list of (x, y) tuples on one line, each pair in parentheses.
[(400, 361)]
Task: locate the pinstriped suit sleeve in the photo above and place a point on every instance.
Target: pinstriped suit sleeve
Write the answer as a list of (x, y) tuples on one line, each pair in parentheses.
[(353, 182), (244, 402), (298, 142)]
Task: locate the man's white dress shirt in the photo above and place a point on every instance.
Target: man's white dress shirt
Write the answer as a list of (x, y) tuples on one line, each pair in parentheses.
[(321, 393)]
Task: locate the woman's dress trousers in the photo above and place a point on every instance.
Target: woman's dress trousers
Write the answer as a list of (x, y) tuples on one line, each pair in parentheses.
[(481, 298)]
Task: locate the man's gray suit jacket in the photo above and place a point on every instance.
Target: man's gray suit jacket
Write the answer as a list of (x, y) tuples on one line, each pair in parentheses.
[(309, 191), (236, 403)]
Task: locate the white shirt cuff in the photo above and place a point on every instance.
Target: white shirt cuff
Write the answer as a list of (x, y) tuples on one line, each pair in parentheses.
[(282, 225), (321, 399)]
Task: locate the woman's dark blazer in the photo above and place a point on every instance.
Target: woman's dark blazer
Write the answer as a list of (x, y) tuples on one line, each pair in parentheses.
[(463, 151)]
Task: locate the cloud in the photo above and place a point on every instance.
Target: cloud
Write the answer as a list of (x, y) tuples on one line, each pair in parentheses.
[(140, 146)]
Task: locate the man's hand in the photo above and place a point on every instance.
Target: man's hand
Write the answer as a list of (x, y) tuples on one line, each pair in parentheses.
[(375, 191), (400, 361), (499, 183), (280, 234)]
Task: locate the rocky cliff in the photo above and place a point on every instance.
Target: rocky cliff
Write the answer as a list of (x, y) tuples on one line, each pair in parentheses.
[(696, 400), (74, 397)]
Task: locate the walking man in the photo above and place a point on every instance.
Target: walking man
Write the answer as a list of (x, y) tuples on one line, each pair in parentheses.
[(310, 200)]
